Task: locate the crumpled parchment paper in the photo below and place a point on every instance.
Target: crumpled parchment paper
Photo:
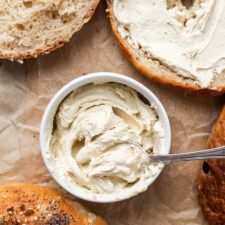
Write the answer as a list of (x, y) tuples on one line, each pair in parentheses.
[(25, 90)]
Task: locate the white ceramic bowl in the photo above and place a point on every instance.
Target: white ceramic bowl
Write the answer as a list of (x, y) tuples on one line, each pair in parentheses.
[(47, 124)]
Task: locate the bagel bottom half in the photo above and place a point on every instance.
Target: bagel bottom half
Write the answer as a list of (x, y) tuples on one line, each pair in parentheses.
[(155, 69), (22, 204), (211, 180)]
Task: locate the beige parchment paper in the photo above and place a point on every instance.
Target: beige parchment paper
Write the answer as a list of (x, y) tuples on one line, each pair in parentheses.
[(25, 90)]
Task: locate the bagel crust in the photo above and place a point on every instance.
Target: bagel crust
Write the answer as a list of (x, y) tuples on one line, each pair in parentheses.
[(157, 72), (22, 204), (211, 180)]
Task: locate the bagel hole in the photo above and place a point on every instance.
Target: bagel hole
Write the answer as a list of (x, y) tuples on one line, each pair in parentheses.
[(205, 167), (20, 26), (28, 4), (54, 14), (68, 17)]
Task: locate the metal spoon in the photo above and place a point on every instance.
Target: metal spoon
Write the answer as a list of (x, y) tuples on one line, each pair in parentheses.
[(214, 153)]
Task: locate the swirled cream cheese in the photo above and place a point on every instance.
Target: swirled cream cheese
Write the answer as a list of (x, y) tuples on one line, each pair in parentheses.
[(191, 41), (92, 143)]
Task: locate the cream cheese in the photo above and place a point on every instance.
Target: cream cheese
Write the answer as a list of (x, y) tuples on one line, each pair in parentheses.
[(91, 143), (191, 41)]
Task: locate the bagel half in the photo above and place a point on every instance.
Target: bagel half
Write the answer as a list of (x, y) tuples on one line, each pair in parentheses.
[(156, 70), (30, 28), (32, 204), (211, 180)]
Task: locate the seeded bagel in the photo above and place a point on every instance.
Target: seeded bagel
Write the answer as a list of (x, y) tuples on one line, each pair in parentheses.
[(32, 204)]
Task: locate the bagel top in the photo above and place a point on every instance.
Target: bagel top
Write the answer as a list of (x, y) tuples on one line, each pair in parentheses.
[(176, 45), (211, 180), (30, 28), (37, 205)]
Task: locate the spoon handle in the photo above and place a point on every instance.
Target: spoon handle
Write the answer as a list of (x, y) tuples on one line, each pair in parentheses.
[(214, 153)]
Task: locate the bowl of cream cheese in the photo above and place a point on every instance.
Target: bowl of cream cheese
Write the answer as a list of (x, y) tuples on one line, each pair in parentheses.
[(89, 132)]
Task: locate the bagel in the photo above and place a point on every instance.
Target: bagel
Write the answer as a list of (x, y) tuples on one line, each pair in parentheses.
[(211, 180), (176, 45), (30, 28), (37, 205)]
